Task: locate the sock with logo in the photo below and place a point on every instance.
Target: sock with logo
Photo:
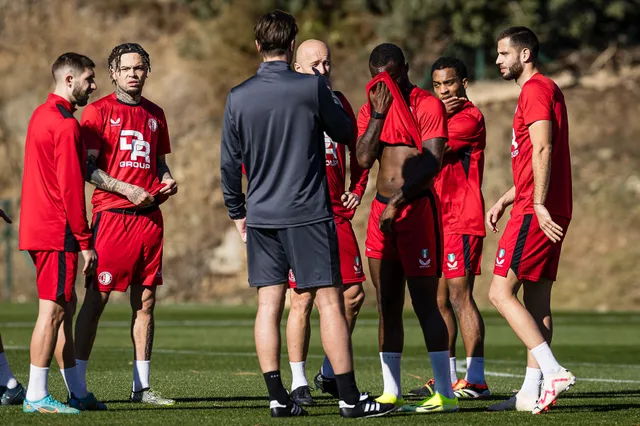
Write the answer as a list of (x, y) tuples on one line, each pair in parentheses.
[(277, 392)]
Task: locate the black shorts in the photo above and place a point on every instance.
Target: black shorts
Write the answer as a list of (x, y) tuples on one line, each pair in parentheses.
[(311, 251)]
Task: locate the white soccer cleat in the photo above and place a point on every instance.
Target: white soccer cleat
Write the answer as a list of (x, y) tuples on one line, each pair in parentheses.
[(552, 386), (518, 402)]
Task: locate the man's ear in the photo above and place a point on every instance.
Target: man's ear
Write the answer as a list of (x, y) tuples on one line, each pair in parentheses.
[(68, 78), (525, 55), (297, 67), (293, 45), (465, 82), (406, 67), (258, 46)]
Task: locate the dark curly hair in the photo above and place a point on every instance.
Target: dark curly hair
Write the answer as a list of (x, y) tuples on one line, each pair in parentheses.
[(113, 63)]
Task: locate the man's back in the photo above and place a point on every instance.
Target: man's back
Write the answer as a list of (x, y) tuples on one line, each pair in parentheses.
[(275, 122)]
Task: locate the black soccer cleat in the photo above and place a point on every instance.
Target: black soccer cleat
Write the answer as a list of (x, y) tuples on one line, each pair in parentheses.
[(302, 396), (291, 409), (366, 407), (326, 385), (13, 396)]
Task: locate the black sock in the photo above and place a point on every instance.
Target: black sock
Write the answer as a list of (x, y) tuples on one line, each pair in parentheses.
[(277, 392), (347, 388)]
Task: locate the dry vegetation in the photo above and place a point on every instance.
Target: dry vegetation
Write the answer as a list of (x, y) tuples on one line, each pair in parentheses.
[(195, 62)]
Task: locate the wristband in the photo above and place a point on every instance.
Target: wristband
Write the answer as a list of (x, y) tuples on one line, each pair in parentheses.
[(377, 115)]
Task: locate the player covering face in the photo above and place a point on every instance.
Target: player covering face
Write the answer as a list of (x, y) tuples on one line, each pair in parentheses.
[(314, 56), (529, 250), (127, 140)]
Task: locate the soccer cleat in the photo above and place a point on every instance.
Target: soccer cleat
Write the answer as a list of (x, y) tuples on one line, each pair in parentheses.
[(425, 390), (13, 396), (434, 404), (365, 407), (302, 396), (552, 386), (518, 402), (326, 385), (389, 398), (291, 409), (88, 403), (465, 390), (148, 396), (47, 405)]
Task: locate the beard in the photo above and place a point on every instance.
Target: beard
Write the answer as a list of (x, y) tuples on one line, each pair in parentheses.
[(81, 96), (514, 71)]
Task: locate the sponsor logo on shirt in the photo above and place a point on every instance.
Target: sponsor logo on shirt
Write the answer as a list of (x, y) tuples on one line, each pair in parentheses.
[(514, 145), (153, 124), (114, 123), (105, 278), (500, 259), (452, 263), (424, 261), (357, 265), (132, 140), (331, 151)]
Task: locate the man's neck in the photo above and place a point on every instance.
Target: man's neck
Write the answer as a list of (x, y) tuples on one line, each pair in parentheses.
[(526, 75), (62, 92), (126, 98), (282, 58)]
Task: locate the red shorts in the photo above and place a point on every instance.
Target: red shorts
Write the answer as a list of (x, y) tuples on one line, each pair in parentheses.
[(349, 252), (416, 240), (129, 248), (462, 253), (526, 250), (55, 273)]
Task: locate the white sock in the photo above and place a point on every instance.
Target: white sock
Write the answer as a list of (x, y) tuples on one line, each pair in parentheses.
[(452, 369), (38, 383), (299, 375), (391, 372), (547, 362), (7, 379), (327, 370), (475, 370), (441, 373), (81, 368), (73, 382), (531, 384), (141, 371)]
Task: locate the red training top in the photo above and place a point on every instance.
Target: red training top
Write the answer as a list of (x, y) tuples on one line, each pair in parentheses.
[(541, 99), (53, 216), (129, 138), (459, 182)]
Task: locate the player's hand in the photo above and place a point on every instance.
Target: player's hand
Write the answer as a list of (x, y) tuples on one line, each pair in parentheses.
[(241, 226), (4, 216), (493, 216), (453, 104), (552, 230), (386, 219), (380, 98), (139, 196), (90, 261), (170, 187), (350, 200), (327, 82)]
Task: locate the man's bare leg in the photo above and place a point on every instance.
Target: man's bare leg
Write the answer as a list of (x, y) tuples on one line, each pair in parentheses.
[(11, 392), (424, 298), (388, 279), (449, 316), (65, 354), (298, 335), (471, 325)]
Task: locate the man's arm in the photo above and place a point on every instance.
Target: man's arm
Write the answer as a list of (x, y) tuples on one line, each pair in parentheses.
[(164, 175), (368, 145), (100, 179), (335, 120), (231, 167), (495, 213)]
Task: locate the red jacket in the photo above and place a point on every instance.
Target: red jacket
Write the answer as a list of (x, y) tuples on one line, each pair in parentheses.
[(53, 214)]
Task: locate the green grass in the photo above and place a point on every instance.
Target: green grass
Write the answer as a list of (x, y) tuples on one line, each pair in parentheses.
[(204, 356)]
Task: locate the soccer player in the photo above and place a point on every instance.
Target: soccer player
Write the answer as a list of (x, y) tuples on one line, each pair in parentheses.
[(314, 56), (54, 228), (404, 230), (274, 123), (529, 250), (127, 140), (459, 188)]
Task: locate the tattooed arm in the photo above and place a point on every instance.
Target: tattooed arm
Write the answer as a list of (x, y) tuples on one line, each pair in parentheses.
[(164, 174), (100, 179)]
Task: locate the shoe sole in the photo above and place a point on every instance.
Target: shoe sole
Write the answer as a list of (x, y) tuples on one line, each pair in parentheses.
[(553, 402)]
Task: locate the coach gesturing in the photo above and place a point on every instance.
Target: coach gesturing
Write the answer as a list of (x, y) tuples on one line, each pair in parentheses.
[(274, 124)]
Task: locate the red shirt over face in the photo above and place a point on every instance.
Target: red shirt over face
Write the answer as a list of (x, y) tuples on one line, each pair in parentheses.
[(129, 138), (541, 99)]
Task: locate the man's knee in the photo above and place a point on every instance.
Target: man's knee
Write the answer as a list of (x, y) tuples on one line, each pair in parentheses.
[(94, 303), (460, 295), (353, 300), (301, 303)]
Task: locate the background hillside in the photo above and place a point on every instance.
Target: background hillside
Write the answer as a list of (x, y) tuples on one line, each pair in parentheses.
[(200, 49)]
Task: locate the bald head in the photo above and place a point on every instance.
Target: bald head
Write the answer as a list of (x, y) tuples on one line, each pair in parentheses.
[(313, 54)]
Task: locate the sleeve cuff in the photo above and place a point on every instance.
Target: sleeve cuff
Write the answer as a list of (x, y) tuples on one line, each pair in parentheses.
[(85, 244), (237, 215)]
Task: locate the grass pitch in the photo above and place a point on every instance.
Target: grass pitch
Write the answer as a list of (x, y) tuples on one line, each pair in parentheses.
[(204, 357)]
